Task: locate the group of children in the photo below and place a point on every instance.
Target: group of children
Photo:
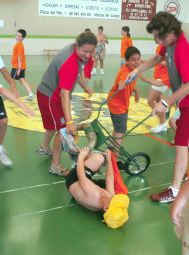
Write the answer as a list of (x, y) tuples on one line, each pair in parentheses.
[(118, 103)]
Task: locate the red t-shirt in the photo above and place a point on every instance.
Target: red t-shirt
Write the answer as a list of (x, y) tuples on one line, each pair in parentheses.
[(181, 57)]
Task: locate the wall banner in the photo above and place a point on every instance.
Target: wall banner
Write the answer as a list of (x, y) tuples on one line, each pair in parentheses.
[(141, 10), (105, 9)]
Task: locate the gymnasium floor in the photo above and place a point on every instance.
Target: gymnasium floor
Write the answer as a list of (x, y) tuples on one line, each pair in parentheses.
[(38, 216)]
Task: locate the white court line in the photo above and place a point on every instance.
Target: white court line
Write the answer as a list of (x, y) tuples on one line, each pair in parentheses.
[(54, 183), (66, 206), (42, 211), (164, 184)]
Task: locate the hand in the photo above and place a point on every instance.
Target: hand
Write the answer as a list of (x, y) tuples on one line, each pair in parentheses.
[(89, 91), (159, 107), (29, 112), (137, 97), (71, 129), (108, 154), (18, 72), (84, 152), (131, 76)]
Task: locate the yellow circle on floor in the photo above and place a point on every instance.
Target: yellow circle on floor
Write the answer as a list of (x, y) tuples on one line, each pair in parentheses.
[(84, 109)]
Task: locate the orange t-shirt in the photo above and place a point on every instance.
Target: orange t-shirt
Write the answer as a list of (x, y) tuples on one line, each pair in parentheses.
[(18, 51), (161, 72), (119, 103), (126, 42)]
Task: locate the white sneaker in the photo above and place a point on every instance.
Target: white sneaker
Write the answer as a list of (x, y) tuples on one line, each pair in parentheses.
[(159, 128), (101, 71), (93, 71), (4, 159)]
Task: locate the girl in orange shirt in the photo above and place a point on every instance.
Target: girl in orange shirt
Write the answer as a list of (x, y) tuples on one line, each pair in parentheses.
[(126, 42)]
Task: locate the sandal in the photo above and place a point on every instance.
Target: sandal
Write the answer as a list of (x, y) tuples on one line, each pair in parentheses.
[(43, 151), (59, 170)]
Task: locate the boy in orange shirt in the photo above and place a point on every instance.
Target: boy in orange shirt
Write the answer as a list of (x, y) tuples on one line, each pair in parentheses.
[(119, 103), (19, 63), (126, 42)]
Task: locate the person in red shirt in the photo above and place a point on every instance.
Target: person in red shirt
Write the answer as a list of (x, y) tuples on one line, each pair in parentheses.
[(72, 65), (167, 32), (19, 63), (118, 103), (126, 42), (159, 85)]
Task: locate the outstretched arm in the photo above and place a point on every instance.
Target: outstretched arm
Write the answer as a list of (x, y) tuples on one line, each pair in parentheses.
[(10, 96), (151, 81), (109, 174)]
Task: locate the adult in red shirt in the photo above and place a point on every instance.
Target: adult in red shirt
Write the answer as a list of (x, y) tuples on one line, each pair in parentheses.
[(71, 65), (167, 32)]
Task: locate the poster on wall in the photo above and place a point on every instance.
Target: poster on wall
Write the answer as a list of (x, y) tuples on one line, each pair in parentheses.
[(138, 9), (105, 9), (141, 10)]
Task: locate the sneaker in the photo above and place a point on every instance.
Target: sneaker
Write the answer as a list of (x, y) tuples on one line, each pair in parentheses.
[(43, 151), (165, 196), (101, 71), (159, 128), (4, 159), (93, 71)]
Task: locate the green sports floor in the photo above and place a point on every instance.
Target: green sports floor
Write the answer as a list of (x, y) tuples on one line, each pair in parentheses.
[(39, 217)]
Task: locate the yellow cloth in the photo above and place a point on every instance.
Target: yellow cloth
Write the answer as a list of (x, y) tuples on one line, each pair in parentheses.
[(117, 213)]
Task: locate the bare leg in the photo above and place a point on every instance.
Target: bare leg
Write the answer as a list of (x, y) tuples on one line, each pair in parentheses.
[(3, 129), (101, 63), (181, 164), (155, 96), (26, 85), (94, 161), (47, 138), (96, 63), (57, 150)]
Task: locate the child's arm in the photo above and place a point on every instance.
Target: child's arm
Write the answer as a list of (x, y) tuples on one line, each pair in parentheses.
[(151, 81), (109, 174), (179, 204), (86, 185), (19, 66), (9, 95), (137, 96)]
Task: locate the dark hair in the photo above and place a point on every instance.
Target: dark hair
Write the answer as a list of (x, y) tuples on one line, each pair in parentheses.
[(164, 23), (87, 30), (131, 51), (100, 27), (22, 32), (126, 29), (86, 38)]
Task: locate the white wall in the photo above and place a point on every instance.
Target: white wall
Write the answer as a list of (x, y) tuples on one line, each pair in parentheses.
[(39, 46)]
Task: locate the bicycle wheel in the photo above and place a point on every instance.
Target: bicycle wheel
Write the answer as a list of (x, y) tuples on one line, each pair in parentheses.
[(137, 163)]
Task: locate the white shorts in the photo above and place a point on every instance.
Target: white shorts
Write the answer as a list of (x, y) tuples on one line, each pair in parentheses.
[(1, 63), (161, 89)]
